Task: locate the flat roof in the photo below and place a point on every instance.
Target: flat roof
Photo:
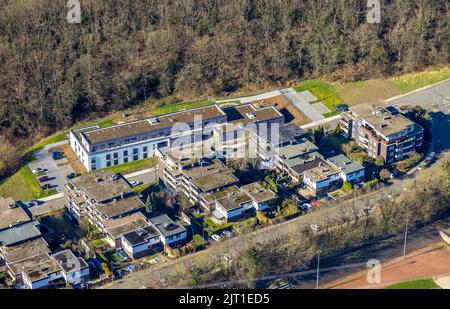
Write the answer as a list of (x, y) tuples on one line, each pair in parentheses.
[(166, 226), (102, 185), (24, 250), (298, 148), (346, 165), (120, 226), (120, 206), (141, 236), (302, 159), (20, 233), (69, 262), (212, 174), (217, 195), (303, 167), (289, 133), (36, 267), (248, 113), (234, 200), (215, 181), (101, 135), (11, 214), (381, 119), (322, 171), (188, 154), (258, 193)]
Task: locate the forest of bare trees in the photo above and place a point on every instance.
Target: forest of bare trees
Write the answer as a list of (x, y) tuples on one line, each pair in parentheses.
[(54, 73)]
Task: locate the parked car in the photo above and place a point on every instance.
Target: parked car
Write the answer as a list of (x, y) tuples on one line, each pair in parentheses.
[(306, 207), (315, 227), (43, 179), (135, 183), (57, 155), (342, 108), (37, 170), (71, 176), (32, 204), (46, 187), (216, 237), (227, 234)]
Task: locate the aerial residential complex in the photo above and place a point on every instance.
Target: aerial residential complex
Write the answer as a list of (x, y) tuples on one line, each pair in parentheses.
[(382, 131), (98, 147), (199, 153)]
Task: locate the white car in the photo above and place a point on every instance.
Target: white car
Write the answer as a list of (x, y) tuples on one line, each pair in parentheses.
[(216, 237), (37, 170), (135, 183), (227, 234), (306, 207), (315, 227)]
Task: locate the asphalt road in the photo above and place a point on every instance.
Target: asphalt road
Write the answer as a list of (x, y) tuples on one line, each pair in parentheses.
[(435, 99)]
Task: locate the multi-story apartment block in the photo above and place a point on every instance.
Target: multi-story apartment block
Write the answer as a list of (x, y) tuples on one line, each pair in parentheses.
[(101, 197), (382, 131), (98, 147), (288, 151), (192, 173)]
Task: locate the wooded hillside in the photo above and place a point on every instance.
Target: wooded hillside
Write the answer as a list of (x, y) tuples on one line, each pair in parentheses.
[(54, 73)]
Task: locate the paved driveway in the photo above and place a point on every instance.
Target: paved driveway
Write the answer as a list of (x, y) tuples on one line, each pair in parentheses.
[(435, 99), (301, 104)]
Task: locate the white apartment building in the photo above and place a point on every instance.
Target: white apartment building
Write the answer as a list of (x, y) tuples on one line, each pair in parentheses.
[(99, 148)]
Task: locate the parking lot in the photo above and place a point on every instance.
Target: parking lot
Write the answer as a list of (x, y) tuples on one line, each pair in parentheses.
[(55, 171)]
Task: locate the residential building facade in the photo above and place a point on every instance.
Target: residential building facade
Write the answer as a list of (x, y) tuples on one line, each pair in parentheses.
[(381, 131)]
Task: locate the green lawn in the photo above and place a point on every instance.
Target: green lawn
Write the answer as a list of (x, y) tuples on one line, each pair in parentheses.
[(324, 92), (132, 166), (58, 137), (23, 186), (410, 82), (172, 108), (422, 284), (106, 123), (198, 241)]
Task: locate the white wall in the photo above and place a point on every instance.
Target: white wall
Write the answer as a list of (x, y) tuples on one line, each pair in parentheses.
[(178, 237)]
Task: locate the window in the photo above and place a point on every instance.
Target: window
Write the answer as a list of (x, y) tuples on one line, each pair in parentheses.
[(145, 149), (163, 144), (93, 160), (108, 163), (135, 157), (108, 157), (94, 167), (145, 155), (116, 155), (116, 162), (125, 160), (135, 151), (125, 153)]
